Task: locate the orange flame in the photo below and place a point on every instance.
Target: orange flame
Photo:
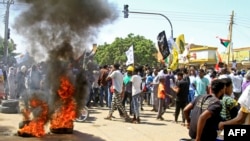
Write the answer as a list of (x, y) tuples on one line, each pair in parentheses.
[(36, 126), (63, 117)]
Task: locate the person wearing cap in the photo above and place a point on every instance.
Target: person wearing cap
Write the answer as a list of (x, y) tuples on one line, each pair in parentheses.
[(127, 86)]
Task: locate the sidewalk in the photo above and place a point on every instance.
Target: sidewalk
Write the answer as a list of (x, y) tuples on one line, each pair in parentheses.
[(98, 129)]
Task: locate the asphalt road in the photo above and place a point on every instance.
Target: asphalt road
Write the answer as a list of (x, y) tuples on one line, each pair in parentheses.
[(98, 129)]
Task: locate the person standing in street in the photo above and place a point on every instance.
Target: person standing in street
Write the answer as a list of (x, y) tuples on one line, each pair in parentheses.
[(127, 89), (161, 97), (20, 84), (182, 91), (155, 85), (205, 116), (201, 84), (136, 92), (192, 77), (117, 79), (102, 82), (237, 81), (11, 83)]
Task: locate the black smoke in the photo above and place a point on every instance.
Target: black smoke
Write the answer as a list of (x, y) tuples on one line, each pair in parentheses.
[(47, 24), (58, 32)]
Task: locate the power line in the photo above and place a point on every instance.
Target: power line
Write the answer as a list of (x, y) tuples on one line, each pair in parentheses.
[(183, 19), (186, 14), (199, 17), (188, 18), (247, 36), (244, 18), (243, 22), (246, 26)]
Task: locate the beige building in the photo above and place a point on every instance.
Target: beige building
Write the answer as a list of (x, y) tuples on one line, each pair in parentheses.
[(241, 55), (200, 54)]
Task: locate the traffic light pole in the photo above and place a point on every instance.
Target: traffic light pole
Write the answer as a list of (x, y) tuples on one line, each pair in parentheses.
[(159, 14)]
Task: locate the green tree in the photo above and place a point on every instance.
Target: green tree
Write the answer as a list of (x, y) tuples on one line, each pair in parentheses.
[(11, 48), (144, 51)]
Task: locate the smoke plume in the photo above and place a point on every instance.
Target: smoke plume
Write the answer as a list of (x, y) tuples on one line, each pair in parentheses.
[(58, 32), (47, 24)]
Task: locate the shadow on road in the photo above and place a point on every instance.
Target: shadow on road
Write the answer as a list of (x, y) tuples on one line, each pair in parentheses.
[(6, 131), (76, 136), (156, 124), (93, 111), (90, 120)]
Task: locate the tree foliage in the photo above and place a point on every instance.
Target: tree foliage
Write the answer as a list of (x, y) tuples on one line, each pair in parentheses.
[(144, 51), (11, 48)]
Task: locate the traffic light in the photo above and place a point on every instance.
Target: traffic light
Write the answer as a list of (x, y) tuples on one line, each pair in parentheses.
[(125, 11), (8, 34)]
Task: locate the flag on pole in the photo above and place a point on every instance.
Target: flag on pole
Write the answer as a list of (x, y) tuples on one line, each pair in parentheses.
[(130, 56), (175, 61), (180, 41), (224, 42), (163, 45)]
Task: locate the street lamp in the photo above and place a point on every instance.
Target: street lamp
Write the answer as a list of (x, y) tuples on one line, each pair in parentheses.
[(126, 11)]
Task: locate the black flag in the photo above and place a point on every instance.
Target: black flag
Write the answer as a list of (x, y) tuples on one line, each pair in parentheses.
[(163, 45)]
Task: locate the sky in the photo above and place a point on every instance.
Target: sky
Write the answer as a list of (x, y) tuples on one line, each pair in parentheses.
[(199, 20)]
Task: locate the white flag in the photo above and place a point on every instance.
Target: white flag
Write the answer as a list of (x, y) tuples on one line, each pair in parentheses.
[(130, 56)]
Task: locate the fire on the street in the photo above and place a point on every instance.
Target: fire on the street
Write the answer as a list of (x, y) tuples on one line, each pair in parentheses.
[(36, 126), (64, 116)]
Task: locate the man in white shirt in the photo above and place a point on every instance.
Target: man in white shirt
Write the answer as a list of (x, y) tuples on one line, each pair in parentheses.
[(136, 92), (237, 83), (117, 84), (224, 74)]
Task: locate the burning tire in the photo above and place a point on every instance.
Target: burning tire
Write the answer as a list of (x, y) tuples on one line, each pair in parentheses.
[(8, 110), (84, 114), (24, 134), (23, 123), (61, 130)]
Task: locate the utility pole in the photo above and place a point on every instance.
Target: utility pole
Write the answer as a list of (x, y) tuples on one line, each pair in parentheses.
[(6, 31), (230, 38)]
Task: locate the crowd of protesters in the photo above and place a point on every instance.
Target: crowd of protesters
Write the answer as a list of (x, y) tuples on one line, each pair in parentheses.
[(19, 79), (207, 99)]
